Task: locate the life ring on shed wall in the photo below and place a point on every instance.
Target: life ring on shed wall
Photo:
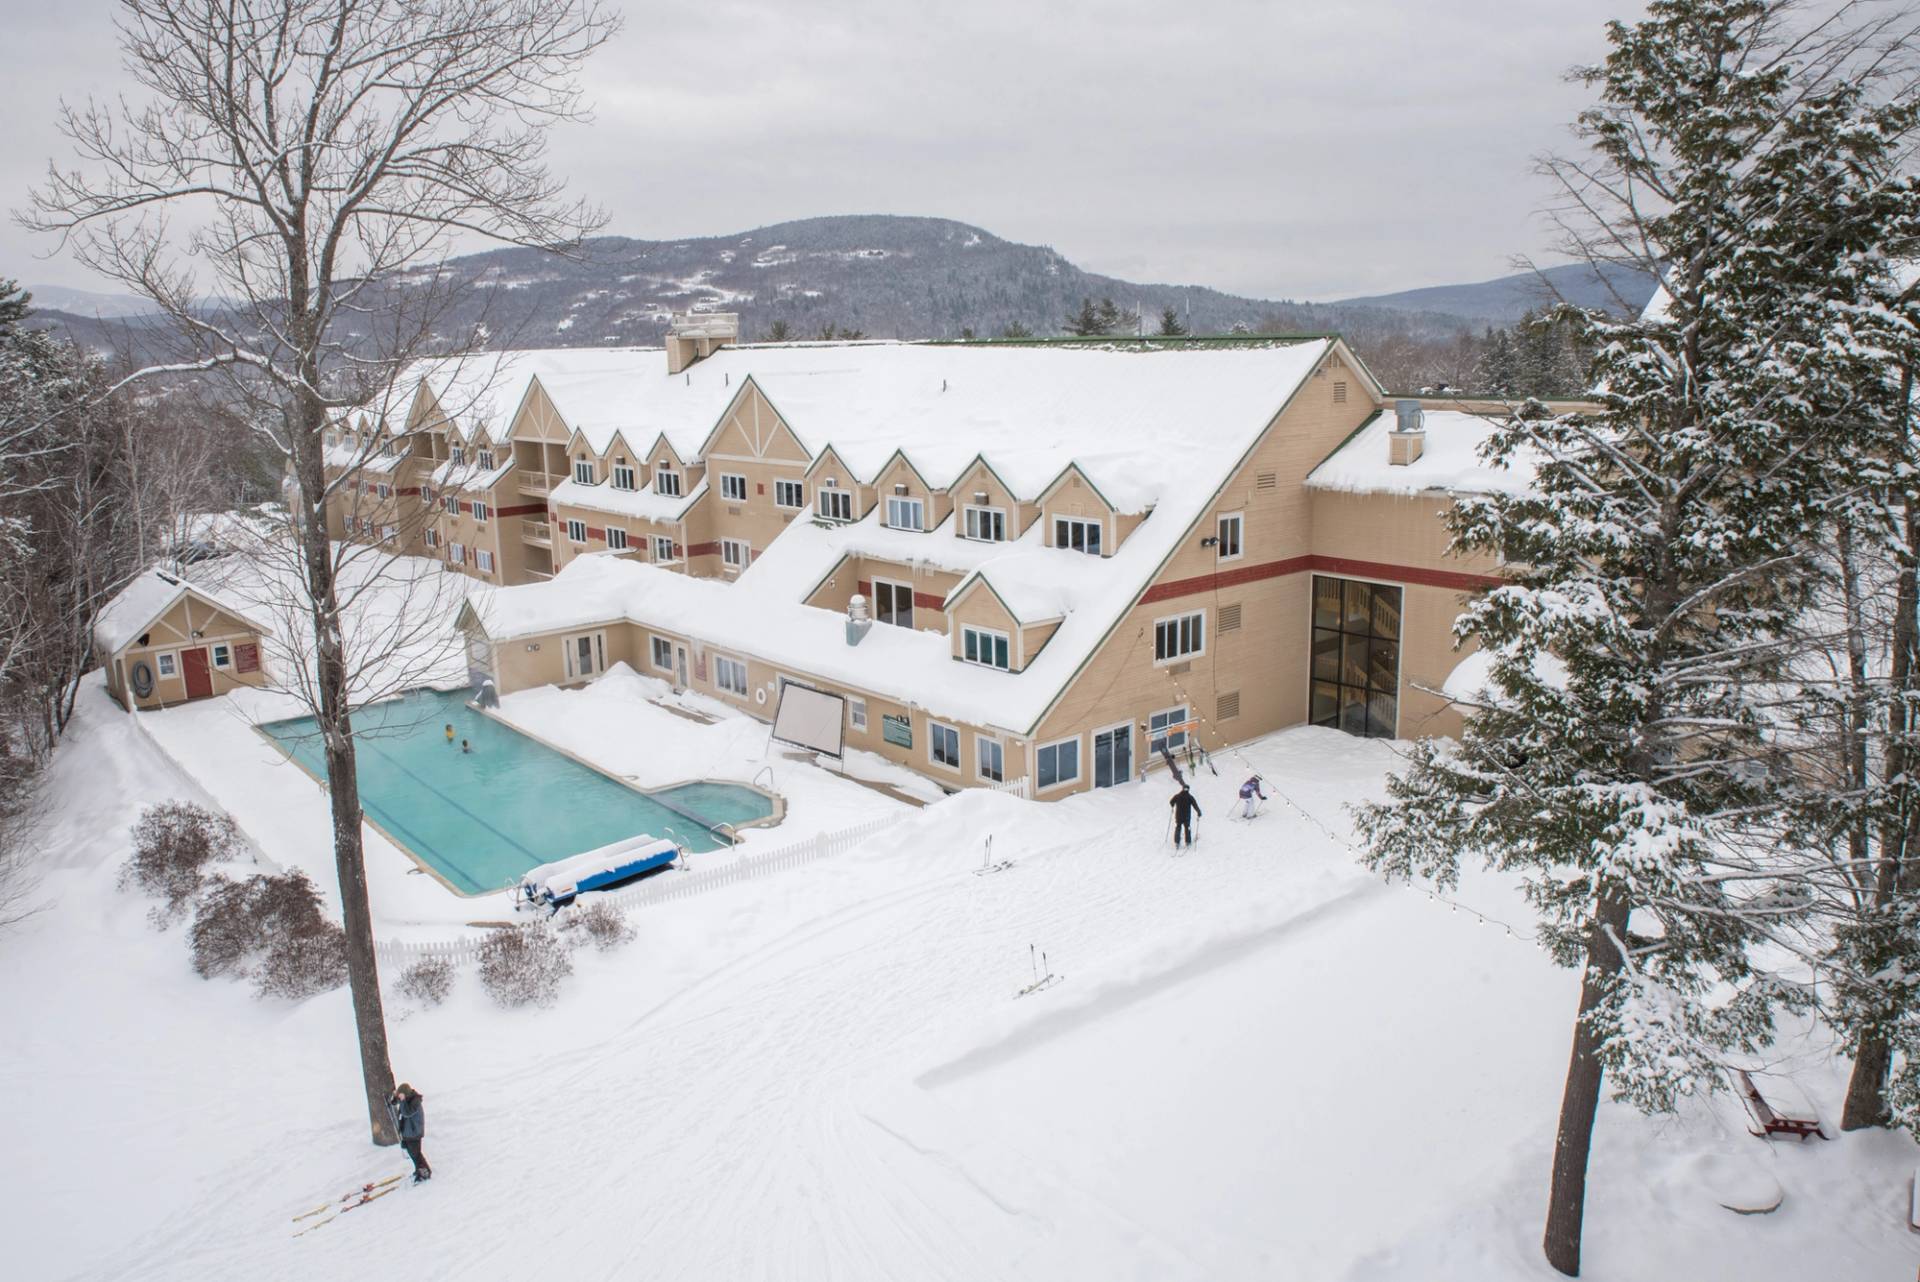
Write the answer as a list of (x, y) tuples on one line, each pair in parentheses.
[(142, 678), (760, 695)]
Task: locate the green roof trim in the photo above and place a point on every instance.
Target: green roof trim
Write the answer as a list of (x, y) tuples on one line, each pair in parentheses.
[(1347, 439)]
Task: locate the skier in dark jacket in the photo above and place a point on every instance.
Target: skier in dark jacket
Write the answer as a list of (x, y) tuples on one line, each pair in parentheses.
[(1186, 807), (409, 1115)]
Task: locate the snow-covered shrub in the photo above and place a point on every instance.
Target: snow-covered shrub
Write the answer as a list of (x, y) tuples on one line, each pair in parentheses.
[(600, 924), (524, 965), (173, 844), (271, 929), (427, 981)]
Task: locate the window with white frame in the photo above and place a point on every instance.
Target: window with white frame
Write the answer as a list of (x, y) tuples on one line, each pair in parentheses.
[(486, 460), (383, 490), (426, 495), (733, 554), (662, 548), (733, 487), (387, 533), (616, 538), (1179, 637), (730, 675), (480, 511), (222, 655), (1076, 533), (985, 647), (457, 553), (789, 494), (484, 560), (1057, 763), (857, 713), (986, 524), (906, 514), (666, 481), (432, 537), (990, 759), (165, 662), (1232, 536), (451, 503), (833, 504), (623, 478), (458, 454), (1161, 731), (662, 654), (943, 745), (576, 531), (583, 471)]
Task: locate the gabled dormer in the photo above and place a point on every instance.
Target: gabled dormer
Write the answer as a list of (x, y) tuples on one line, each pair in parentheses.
[(986, 631), (1079, 517), (986, 508), (834, 492), (908, 501), (666, 473)]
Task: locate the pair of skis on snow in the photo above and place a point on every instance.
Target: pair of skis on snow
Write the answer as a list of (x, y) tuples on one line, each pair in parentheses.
[(352, 1199)]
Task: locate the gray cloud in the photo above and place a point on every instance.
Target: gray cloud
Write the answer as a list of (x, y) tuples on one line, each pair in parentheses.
[(1275, 149)]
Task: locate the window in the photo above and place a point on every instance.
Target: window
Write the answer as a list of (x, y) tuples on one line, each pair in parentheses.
[(483, 559), (730, 675), (486, 460), (165, 662), (905, 514), (1161, 732), (432, 537), (383, 490), (222, 655), (662, 654), (1057, 763), (1081, 536), (623, 478), (990, 760), (616, 538), (987, 524), (451, 503), (387, 532), (662, 548), (457, 553), (833, 505), (982, 646), (893, 603), (733, 487), (733, 554), (789, 494), (857, 713), (576, 531), (1232, 528), (426, 495), (943, 745), (458, 454), (1180, 636), (583, 471), (666, 481), (1356, 656), (478, 509)]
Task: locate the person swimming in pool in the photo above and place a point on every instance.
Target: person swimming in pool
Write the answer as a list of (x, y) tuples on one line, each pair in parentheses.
[(449, 734), (465, 746)]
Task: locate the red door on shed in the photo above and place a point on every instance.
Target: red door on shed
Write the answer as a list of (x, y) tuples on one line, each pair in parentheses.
[(193, 664)]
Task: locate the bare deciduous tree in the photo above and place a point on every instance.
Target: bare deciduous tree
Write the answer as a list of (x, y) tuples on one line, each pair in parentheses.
[(299, 154)]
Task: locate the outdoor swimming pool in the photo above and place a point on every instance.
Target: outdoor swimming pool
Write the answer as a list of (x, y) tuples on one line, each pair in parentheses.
[(482, 818)]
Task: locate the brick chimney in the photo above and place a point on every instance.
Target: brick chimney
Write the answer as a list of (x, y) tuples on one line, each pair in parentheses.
[(695, 335), (1408, 439)]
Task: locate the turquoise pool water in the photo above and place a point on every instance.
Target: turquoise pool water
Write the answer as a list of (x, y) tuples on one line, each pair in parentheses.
[(482, 818)]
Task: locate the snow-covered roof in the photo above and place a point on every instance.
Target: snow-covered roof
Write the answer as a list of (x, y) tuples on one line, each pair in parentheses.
[(468, 476), (151, 594), (1449, 461), (645, 504)]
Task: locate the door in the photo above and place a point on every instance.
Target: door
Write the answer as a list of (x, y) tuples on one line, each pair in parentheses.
[(893, 603), (586, 654), (1113, 756), (680, 665), (193, 664)]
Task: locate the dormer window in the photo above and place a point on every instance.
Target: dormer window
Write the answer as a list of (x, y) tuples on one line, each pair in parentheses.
[(986, 524), (665, 480), (623, 478), (984, 646), (583, 471), (1080, 535), (906, 514), (459, 454), (833, 504), (396, 446), (486, 459)]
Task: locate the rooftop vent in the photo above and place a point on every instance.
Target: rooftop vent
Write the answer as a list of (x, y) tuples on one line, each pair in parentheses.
[(694, 335), (859, 622), (1408, 439)]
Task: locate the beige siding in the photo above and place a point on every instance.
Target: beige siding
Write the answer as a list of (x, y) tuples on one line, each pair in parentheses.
[(190, 624)]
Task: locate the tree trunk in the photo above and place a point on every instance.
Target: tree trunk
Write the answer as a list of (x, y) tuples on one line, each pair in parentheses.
[(1867, 1088), (1566, 1202)]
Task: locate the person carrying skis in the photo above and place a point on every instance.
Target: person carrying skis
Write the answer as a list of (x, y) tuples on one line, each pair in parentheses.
[(1251, 795), (409, 1114), (1186, 807)]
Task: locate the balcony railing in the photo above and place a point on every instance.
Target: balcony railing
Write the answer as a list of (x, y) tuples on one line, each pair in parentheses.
[(537, 532), (536, 484)]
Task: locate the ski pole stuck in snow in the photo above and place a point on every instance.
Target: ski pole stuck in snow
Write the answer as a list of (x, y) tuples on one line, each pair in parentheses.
[(987, 865), (1038, 963)]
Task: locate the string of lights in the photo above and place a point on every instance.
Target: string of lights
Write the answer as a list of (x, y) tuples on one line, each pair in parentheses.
[(1453, 905)]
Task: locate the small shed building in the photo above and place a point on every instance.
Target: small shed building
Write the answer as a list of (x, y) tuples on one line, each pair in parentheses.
[(166, 641)]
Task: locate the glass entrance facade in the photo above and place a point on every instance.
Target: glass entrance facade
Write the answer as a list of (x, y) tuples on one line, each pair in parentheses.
[(1356, 656)]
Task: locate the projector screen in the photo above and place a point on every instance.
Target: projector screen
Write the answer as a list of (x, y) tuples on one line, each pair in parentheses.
[(811, 719)]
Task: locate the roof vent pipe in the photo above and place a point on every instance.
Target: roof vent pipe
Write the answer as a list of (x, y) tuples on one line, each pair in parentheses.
[(1408, 439), (859, 622)]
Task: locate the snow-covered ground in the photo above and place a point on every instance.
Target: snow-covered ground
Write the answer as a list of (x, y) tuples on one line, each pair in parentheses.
[(1260, 1063)]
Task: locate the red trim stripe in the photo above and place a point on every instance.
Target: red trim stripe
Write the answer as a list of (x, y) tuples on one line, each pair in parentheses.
[(1243, 574), (704, 549), (521, 509)]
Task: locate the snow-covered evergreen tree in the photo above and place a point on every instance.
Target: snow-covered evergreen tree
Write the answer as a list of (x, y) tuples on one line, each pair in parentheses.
[(1626, 761)]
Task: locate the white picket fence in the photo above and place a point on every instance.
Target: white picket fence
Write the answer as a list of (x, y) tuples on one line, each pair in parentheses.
[(1021, 787), (661, 888)]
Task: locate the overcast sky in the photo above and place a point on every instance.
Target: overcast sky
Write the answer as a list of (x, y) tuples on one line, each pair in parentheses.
[(1274, 148)]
